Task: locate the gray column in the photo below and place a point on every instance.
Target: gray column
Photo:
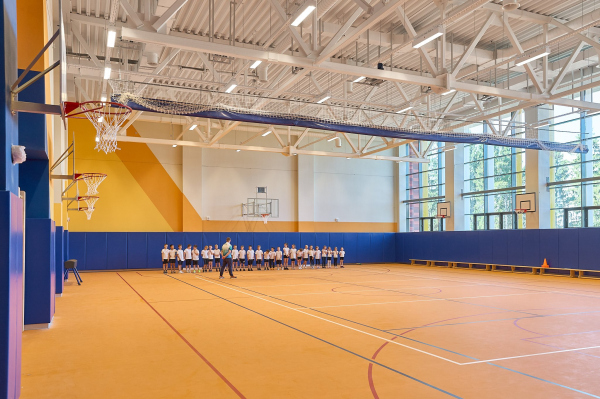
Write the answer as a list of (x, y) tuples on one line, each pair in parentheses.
[(455, 180), (537, 171)]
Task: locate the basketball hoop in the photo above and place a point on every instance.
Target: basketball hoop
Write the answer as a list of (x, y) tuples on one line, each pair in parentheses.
[(440, 216), (265, 217), (92, 180), (520, 211), (107, 118), (90, 201)]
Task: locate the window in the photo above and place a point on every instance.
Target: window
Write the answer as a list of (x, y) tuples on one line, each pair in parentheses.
[(493, 174), (425, 188)]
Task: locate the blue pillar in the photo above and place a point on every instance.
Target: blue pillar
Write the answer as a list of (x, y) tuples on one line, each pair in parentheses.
[(11, 217), (60, 259)]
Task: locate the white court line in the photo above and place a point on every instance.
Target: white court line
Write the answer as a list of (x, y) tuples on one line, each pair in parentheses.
[(394, 291), (331, 282), (330, 321), (430, 300), (534, 354)]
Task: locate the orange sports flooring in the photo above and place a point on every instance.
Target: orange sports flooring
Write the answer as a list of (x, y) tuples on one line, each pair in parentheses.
[(370, 331)]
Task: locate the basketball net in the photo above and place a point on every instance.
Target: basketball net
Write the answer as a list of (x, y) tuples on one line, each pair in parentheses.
[(90, 202), (520, 211), (92, 180), (107, 118), (265, 217)]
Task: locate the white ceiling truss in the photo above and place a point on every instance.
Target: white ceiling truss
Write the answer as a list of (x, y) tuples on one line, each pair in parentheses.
[(204, 44)]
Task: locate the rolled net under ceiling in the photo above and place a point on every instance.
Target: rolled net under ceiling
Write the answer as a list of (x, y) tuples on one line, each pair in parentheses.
[(348, 117)]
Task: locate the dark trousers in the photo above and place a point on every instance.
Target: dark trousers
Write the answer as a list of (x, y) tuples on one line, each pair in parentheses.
[(227, 262)]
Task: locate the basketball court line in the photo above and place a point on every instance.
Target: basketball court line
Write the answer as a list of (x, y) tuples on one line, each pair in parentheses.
[(371, 361), (380, 289), (397, 343)]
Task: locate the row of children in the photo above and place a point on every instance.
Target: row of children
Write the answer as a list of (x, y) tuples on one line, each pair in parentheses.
[(282, 259)]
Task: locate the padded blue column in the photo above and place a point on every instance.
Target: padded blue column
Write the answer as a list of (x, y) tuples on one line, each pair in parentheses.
[(39, 271), (59, 263)]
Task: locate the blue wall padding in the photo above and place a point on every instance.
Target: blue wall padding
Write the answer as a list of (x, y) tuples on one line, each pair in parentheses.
[(531, 247), (337, 240), (322, 239), (40, 283), (77, 249), (389, 245), (33, 179), (307, 239), (59, 253), (275, 240), (363, 246), (210, 239), (499, 246), (175, 239), (96, 251), (568, 248), (350, 240), (116, 257), (377, 248), (32, 127), (137, 251), (244, 239), (549, 247), (292, 238), (155, 244)]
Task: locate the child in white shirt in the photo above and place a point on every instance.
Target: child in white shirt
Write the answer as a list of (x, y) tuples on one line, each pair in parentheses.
[(299, 258), (195, 258), (335, 257), (217, 253), (211, 255), (329, 255), (250, 254), (305, 254), (180, 258), (293, 252), (278, 256), (259, 255), (272, 256), (204, 259), (267, 257), (187, 254), (342, 254), (172, 258), (234, 254), (318, 258), (242, 256), (286, 256), (165, 258), (311, 257)]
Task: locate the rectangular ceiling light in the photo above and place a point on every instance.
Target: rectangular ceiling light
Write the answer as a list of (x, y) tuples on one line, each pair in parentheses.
[(448, 92), (303, 15), (193, 127), (334, 138), (255, 64), (107, 71), (404, 109), (524, 59), (428, 36), (321, 98), (359, 79), (266, 133), (230, 86), (111, 38)]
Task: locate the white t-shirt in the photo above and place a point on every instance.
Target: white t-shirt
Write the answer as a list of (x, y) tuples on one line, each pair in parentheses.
[(180, 254), (204, 254), (234, 253), (195, 254), (172, 253), (293, 253), (217, 253), (311, 252), (258, 254), (305, 253), (278, 255), (318, 254), (267, 255), (250, 254), (210, 253), (187, 253), (335, 254), (329, 253), (286, 251), (242, 254), (324, 253), (299, 254), (342, 254), (165, 253)]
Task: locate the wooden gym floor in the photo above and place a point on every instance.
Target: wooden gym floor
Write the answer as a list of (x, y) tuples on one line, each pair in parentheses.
[(371, 331)]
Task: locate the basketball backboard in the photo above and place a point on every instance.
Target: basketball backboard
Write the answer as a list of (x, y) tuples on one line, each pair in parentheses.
[(526, 202), (444, 209)]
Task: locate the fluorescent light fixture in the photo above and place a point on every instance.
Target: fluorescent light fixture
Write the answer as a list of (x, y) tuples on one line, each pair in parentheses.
[(103, 98), (347, 157), (428, 36), (230, 86), (111, 38), (174, 145), (448, 148), (404, 109), (321, 98), (193, 127), (448, 92), (266, 133), (359, 79), (541, 124), (334, 138), (238, 150), (256, 63), (303, 15), (525, 58), (107, 71)]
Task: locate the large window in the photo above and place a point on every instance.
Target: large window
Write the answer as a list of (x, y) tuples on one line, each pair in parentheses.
[(493, 175), (575, 178), (425, 188)]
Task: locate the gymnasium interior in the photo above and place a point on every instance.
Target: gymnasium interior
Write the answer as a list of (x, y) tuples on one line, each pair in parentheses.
[(389, 199)]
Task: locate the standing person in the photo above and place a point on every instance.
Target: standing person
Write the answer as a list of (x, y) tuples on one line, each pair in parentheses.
[(227, 258), (217, 253), (286, 256), (211, 255), (278, 256), (242, 256), (317, 258), (267, 257), (204, 259), (324, 258), (250, 254), (311, 256), (165, 258), (187, 254), (329, 255), (235, 253), (293, 252), (299, 258), (335, 257), (180, 257), (195, 258), (342, 254), (272, 257), (259, 255), (306, 255), (172, 258)]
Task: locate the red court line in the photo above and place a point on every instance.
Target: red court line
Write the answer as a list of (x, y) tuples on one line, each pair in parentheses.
[(234, 389)]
